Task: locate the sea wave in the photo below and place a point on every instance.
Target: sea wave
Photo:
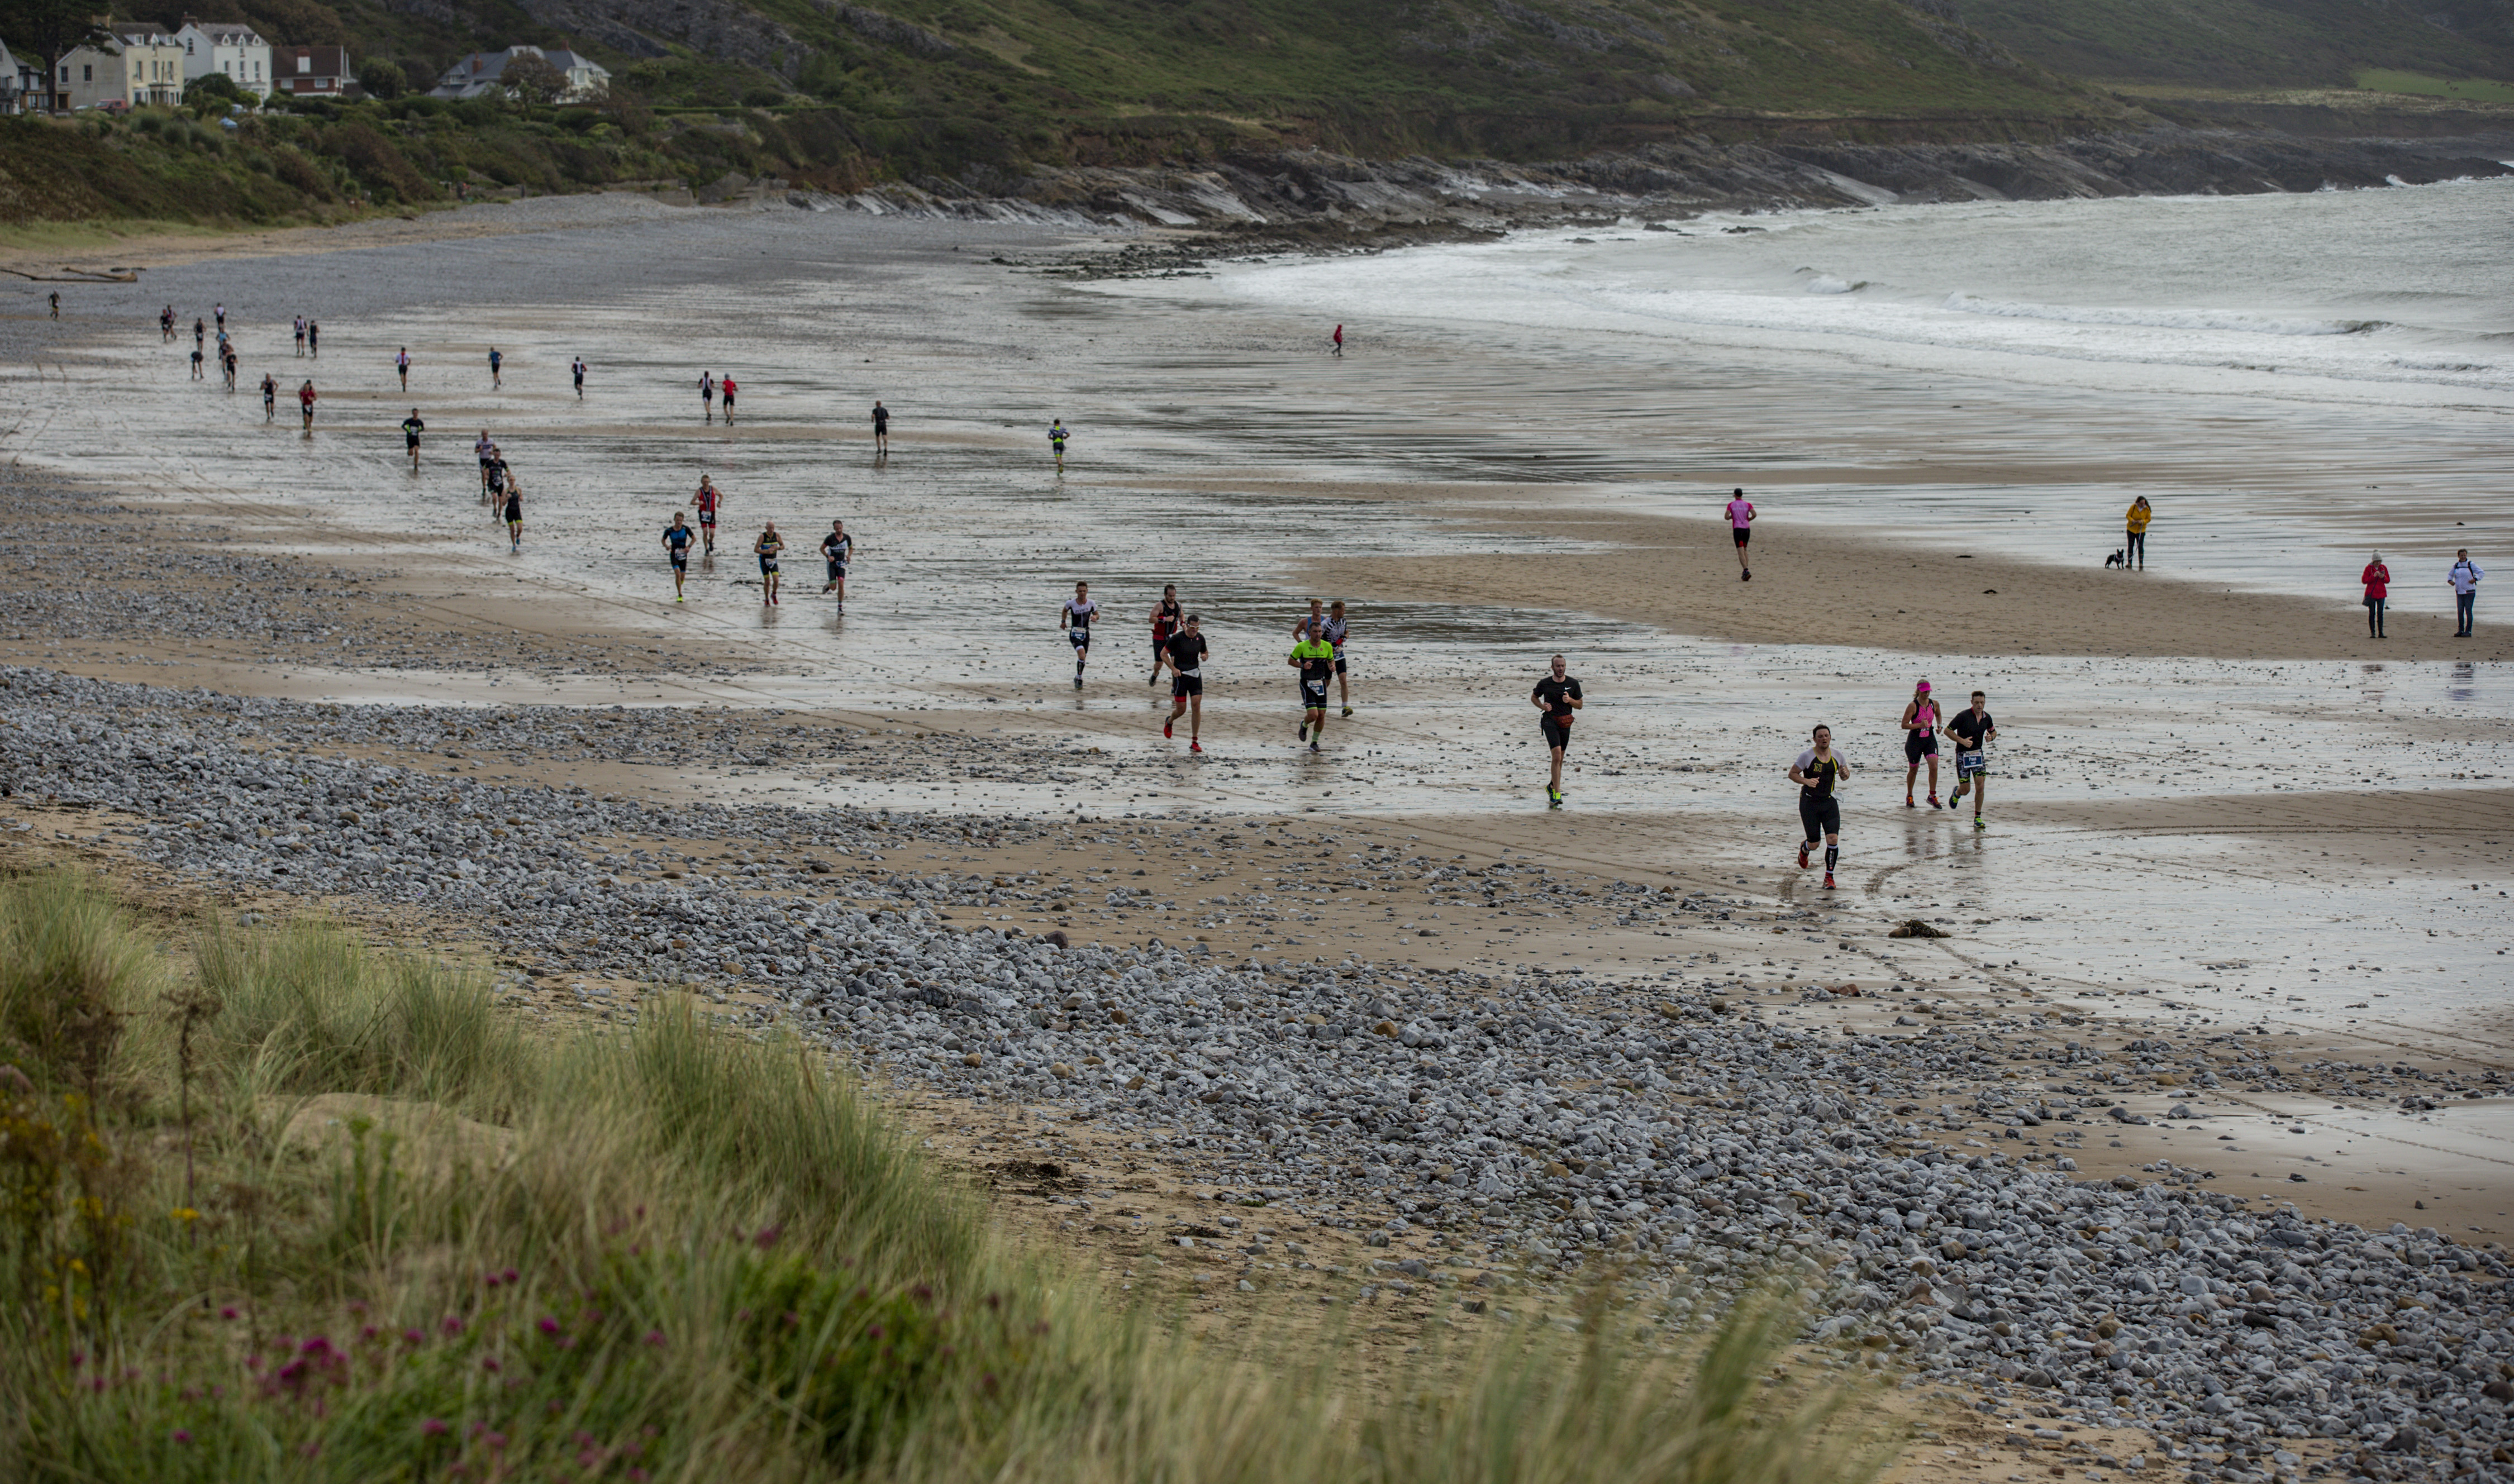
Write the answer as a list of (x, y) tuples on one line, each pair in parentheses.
[(2162, 319)]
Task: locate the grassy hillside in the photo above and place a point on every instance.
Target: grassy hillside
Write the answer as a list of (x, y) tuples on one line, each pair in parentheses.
[(281, 1209), (1499, 74), (2253, 43)]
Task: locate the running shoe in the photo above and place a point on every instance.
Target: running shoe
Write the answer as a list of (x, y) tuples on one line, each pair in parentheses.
[(1828, 881), (1165, 728), (677, 598), (1348, 710), (1908, 804), (1933, 801), (1156, 680), (1314, 746), (1196, 746), (1802, 850), (1977, 824), (1303, 733), (1745, 575), (1078, 682)]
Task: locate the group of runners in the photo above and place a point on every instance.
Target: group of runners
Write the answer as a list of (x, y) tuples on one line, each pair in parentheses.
[(1179, 646), (837, 548)]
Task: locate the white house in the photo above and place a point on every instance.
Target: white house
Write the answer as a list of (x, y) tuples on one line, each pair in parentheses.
[(137, 68), (21, 84), (228, 47), (481, 73)]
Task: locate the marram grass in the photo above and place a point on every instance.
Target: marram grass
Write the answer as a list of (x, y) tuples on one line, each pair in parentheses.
[(402, 1237)]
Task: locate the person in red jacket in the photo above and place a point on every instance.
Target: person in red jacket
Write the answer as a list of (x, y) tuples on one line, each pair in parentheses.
[(2378, 578)]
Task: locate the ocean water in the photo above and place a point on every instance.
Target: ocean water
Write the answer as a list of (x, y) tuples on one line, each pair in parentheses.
[(2382, 295)]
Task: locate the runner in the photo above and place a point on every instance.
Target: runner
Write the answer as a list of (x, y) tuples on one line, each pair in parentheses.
[(305, 404), (708, 500), (706, 392), (300, 334), (514, 514), (1741, 520), (1335, 633), (728, 401), (2378, 578), (486, 451), (880, 428), (228, 364), (2463, 579), (1919, 741), (576, 370), (837, 548), (496, 361), (57, 307), (1165, 622), (270, 397), (221, 310), (197, 354), (1185, 651), (313, 340), (1971, 732), (1816, 772), (200, 333), (499, 477), (1074, 618), (166, 322), (1056, 440), (401, 366), (2137, 548), (676, 547), (1339, 342), (1557, 696), (766, 548), (410, 429), (1315, 658)]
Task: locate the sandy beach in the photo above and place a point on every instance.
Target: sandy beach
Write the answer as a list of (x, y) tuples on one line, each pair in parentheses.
[(2218, 812)]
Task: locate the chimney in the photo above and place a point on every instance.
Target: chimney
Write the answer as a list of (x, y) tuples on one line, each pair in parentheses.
[(475, 62)]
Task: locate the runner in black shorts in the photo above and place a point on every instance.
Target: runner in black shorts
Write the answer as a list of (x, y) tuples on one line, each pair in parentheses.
[(1558, 696), (1334, 634), (1315, 658), (1165, 622), (1971, 732), (410, 429), (1074, 618), (1185, 651), (766, 548), (1921, 741), (1816, 772)]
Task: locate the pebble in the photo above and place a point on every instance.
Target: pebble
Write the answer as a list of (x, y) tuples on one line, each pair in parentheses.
[(1554, 1117)]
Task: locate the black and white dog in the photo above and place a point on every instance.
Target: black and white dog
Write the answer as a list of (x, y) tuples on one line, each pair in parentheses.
[(2117, 559)]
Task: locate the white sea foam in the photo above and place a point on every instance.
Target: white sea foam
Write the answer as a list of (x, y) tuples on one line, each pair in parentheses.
[(2162, 319)]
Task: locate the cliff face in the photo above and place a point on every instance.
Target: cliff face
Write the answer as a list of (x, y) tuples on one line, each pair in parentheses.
[(712, 28)]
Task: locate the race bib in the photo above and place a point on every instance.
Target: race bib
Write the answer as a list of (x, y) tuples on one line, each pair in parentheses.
[(1971, 762)]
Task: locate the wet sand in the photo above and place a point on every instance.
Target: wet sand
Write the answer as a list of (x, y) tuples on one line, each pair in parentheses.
[(1820, 585), (2158, 860)]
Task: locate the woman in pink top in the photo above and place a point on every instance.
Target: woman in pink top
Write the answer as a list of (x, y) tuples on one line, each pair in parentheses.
[(1741, 517), (2378, 578), (1919, 741)]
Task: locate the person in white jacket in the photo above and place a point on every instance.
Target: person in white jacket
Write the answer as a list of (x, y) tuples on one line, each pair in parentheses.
[(2465, 578)]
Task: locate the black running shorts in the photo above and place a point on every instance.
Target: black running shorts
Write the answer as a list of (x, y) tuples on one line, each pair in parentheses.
[(1558, 733), (1187, 685), (1918, 744), (1744, 535), (1821, 814)]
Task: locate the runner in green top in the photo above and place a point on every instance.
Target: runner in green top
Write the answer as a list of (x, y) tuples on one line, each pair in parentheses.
[(410, 429), (1315, 658)]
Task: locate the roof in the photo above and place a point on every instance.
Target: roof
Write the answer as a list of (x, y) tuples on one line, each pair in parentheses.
[(224, 33)]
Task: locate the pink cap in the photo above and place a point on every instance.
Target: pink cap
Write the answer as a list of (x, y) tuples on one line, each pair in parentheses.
[(1925, 685)]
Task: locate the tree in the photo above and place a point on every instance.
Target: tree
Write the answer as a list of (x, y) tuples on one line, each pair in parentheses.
[(531, 79), (212, 88), (51, 29), (381, 78)]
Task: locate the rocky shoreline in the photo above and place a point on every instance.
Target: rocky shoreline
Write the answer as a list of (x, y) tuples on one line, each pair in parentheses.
[(1554, 1125), (1296, 199)]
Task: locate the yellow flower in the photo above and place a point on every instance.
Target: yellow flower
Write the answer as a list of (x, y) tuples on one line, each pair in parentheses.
[(185, 1214)]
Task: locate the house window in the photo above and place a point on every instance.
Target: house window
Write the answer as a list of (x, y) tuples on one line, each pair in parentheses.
[(90, 70), (304, 64)]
